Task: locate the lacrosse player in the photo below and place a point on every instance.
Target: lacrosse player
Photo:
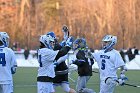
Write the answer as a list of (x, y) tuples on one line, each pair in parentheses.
[(109, 60), (84, 63), (8, 64), (61, 69), (46, 58)]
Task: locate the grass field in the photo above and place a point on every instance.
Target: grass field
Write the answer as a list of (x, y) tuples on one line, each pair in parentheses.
[(25, 81)]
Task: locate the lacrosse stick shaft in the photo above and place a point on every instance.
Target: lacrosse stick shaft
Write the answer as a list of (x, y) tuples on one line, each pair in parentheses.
[(95, 71), (131, 85)]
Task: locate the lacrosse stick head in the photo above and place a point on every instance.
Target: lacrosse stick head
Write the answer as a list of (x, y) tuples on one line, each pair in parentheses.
[(65, 30)]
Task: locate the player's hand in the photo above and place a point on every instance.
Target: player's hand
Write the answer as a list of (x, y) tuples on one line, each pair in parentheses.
[(13, 70), (121, 82), (123, 77), (55, 64), (69, 41), (72, 61), (63, 43), (110, 81)]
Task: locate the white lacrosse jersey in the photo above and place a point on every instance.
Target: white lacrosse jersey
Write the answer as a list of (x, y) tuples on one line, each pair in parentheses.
[(46, 58), (108, 63), (7, 61)]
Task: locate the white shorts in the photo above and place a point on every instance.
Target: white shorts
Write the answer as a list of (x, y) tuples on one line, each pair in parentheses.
[(6, 88), (104, 88), (45, 87), (65, 86)]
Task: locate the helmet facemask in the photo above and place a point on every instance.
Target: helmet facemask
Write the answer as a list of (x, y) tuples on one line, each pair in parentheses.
[(4, 38), (52, 44), (105, 44), (108, 42), (52, 34), (79, 43), (47, 40)]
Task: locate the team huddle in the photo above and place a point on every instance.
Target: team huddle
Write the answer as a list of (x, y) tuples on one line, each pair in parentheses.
[(53, 71)]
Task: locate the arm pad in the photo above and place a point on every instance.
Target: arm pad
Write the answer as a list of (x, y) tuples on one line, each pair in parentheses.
[(62, 59), (124, 69)]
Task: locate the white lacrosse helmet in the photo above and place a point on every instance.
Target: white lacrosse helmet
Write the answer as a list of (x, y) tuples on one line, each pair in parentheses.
[(4, 38), (46, 40), (51, 33), (109, 41)]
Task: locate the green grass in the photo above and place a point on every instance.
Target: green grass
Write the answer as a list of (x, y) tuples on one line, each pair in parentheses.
[(25, 82)]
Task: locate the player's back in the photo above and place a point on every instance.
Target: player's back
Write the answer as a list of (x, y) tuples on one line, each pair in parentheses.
[(46, 58), (6, 59)]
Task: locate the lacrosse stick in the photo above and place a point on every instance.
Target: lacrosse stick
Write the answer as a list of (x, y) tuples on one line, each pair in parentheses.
[(71, 69), (95, 71), (65, 30), (109, 79), (131, 85)]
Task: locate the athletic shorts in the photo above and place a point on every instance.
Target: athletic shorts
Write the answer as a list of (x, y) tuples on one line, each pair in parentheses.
[(104, 88), (60, 78), (6, 88), (45, 87)]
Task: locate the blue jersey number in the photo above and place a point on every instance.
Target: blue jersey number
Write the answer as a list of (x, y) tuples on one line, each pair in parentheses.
[(39, 59), (103, 64), (2, 59)]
